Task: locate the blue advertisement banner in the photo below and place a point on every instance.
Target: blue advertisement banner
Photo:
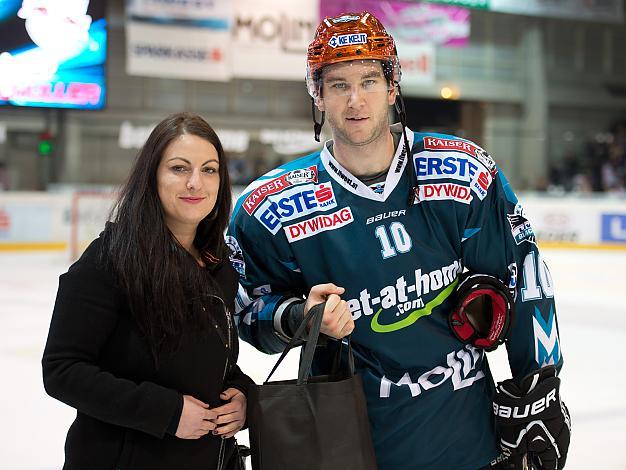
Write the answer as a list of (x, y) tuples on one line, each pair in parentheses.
[(614, 228)]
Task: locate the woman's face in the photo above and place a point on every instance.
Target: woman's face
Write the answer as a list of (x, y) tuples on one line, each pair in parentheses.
[(188, 181)]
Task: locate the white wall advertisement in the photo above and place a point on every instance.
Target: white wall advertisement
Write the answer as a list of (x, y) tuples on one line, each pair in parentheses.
[(417, 62), (27, 218), (270, 38), (577, 221), (188, 40)]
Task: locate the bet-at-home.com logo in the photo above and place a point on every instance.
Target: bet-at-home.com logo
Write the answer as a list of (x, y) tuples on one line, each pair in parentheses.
[(404, 298)]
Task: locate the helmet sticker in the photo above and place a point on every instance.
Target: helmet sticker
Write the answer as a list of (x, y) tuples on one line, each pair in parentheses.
[(347, 40)]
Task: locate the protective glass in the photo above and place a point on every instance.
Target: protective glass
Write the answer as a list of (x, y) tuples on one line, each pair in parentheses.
[(357, 76)]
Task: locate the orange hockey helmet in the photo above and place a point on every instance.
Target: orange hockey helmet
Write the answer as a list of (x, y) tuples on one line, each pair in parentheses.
[(350, 36)]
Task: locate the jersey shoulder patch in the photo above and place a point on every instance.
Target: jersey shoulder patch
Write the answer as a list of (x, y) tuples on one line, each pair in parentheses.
[(448, 143), (300, 171)]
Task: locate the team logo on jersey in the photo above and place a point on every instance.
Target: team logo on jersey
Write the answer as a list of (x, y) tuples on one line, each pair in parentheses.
[(547, 349), (520, 226), (294, 203), (462, 368), (236, 255), (378, 188), (321, 223), (404, 299), (292, 178), (443, 192), (347, 40), (457, 145)]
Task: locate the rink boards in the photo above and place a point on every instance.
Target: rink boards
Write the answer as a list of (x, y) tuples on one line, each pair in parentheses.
[(69, 220)]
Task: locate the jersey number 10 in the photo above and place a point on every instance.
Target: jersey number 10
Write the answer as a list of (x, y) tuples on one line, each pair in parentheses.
[(399, 241)]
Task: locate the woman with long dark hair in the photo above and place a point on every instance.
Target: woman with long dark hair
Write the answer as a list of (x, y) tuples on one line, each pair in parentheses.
[(142, 341)]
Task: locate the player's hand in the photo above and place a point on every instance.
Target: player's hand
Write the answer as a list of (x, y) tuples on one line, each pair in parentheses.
[(531, 418), (232, 415), (195, 419), (337, 321)]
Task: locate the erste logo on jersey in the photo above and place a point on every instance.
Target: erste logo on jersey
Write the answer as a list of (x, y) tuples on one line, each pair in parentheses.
[(295, 202), (435, 163), (292, 178), (321, 223), (440, 166)]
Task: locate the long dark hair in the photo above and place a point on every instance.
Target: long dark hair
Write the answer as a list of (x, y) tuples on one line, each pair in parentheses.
[(160, 277)]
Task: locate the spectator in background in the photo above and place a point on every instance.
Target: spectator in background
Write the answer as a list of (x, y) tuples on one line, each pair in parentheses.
[(4, 177), (602, 167)]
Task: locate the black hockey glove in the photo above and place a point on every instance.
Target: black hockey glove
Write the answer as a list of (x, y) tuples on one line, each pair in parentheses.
[(531, 418), (482, 312)]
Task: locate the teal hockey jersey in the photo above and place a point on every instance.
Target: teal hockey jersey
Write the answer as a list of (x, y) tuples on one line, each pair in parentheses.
[(310, 222)]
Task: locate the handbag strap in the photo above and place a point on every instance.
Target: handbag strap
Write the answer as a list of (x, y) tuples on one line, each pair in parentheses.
[(337, 359), (296, 336), (316, 313), (311, 343)]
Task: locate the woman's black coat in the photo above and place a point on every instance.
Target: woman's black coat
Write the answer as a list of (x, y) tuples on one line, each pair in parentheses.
[(96, 361)]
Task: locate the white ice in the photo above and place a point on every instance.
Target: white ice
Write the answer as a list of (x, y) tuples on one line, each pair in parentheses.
[(590, 291)]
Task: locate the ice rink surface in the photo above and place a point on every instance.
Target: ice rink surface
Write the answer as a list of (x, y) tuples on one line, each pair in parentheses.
[(590, 289)]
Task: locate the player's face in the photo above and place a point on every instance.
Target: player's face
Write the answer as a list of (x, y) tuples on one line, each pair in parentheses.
[(188, 181), (356, 98)]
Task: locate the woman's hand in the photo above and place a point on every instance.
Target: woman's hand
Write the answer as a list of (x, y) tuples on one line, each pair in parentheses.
[(231, 416), (196, 419)]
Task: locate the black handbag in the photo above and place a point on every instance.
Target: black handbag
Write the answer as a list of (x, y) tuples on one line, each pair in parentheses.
[(312, 423), (237, 460)]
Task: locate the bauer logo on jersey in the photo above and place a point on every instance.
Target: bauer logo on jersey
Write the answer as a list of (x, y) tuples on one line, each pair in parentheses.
[(443, 192), (456, 145), (292, 178), (318, 224), (295, 202), (347, 40), (520, 226)]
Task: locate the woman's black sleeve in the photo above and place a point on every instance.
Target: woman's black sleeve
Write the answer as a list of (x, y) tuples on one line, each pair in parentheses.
[(85, 314)]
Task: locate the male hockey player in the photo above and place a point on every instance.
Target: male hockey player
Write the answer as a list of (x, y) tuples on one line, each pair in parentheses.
[(380, 224)]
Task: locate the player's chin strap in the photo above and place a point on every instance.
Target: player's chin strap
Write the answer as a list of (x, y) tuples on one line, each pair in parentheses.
[(317, 126), (401, 111)]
